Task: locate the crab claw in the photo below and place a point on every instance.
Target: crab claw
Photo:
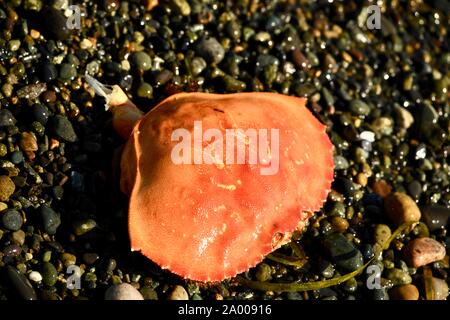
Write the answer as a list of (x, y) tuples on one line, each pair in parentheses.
[(210, 221), (125, 113)]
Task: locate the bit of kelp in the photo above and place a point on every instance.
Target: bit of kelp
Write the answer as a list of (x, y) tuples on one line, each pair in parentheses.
[(427, 281), (315, 285), (287, 260), (298, 250)]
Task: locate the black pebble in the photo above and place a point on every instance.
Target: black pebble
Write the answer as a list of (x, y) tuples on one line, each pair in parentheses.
[(50, 219), (12, 220), (6, 118), (20, 283), (63, 128)]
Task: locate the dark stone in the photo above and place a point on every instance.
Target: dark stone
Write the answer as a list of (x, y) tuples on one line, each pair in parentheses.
[(211, 50), (63, 128), (6, 118), (50, 219), (343, 252), (435, 216), (12, 220), (54, 24), (20, 283), (40, 113)]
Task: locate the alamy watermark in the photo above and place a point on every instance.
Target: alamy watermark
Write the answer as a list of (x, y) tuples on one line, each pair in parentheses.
[(239, 146), (373, 17), (73, 14)]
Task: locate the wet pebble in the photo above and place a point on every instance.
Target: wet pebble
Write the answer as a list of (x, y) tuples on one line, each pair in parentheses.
[(359, 107), (440, 288), (20, 283), (40, 113), (35, 276), (6, 118), (12, 220), (436, 216), (49, 274), (382, 233), (63, 128), (400, 208), (7, 188), (343, 252), (141, 61), (404, 292), (398, 276), (123, 291), (50, 219), (211, 50), (178, 293), (422, 251), (263, 272)]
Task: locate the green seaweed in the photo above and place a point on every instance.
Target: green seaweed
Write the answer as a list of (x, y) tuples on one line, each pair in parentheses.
[(315, 285)]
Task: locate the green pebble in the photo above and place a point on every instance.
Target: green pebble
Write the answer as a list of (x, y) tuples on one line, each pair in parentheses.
[(67, 72), (49, 274), (359, 108), (145, 90), (263, 272), (141, 60)]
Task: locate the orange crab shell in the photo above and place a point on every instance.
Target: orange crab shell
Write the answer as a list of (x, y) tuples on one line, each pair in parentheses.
[(207, 222)]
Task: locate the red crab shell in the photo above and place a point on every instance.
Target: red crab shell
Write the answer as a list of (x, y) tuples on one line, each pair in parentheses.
[(207, 222)]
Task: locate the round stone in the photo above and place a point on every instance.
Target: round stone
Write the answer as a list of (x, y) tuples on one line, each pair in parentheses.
[(401, 208), (178, 293), (422, 251), (123, 291), (404, 292), (141, 60), (12, 220)]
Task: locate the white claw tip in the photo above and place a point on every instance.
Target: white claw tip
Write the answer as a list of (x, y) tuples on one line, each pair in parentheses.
[(100, 88)]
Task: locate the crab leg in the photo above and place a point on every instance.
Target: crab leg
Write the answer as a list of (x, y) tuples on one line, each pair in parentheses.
[(125, 113)]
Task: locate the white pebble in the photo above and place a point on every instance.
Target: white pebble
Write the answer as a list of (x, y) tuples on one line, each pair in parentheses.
[(123, 291), (35, 276)]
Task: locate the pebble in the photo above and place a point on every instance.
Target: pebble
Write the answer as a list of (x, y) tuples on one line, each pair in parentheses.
[(343, 252), (49, 274), (359, 107), (198, 64), (398, 276), (263, 272), (123, 291), (440, 288), (68, 259), (20, 283), (63, 128), (404, 292), (181, 6), (382, 234), (339, 224), (7, 188), (12, 220), (422, 251), (18, 237), (50, 219), (82, 227), (435, 216), (381, 187), (141, 61), (35, 276), (67, 72), (6, 118), (211, 50), (48, 72), (40, 113), (404, 118), (401, 208), (178, 293), (145, 90), (54, 23)]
